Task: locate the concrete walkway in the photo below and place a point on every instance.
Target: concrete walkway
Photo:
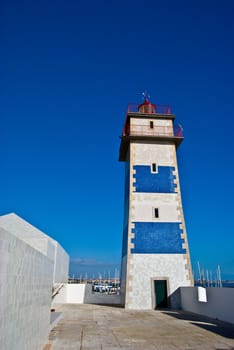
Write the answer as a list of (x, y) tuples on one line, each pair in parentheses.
[(85, 327)]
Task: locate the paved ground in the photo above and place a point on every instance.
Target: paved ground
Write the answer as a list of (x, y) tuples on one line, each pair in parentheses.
[(85, 327)]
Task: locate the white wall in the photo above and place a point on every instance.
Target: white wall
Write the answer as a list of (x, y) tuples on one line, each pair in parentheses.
[(61, 264), (28, 233), (30, 263), (25, 287), (61, 296), (220, 302), (39, 241), (145, 154), (70, 293), (144, 203), (142, 127), (75, 293)]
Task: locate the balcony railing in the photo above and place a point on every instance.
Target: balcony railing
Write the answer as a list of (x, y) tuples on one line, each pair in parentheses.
[(143, 130), (159, 109)]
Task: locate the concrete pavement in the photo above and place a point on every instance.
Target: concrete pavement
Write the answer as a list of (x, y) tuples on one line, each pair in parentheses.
[(86, 327)]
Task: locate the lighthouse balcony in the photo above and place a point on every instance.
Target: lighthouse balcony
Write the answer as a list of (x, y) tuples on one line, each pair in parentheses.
[(158, 130), (142, 130), (163, 134)]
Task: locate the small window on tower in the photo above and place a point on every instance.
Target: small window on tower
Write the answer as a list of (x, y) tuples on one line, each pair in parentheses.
[(156, 213), (151, 124), (154, 168)]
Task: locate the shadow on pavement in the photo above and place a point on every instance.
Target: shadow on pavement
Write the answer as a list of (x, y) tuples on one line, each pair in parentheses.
[(219, 327)]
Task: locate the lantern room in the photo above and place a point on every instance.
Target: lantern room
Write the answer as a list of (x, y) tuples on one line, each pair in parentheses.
[(148, 121), (147, 107)]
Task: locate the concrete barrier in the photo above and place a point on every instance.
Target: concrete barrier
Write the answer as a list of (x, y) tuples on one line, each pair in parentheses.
[(99, 298), (70, 294), (219, 304)]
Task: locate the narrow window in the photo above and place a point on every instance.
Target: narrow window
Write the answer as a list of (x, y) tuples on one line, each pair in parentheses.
[(156, 213), (154, 168), (151, 124)]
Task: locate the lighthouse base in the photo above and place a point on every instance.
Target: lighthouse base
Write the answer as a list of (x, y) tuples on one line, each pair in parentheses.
[(153, 280)]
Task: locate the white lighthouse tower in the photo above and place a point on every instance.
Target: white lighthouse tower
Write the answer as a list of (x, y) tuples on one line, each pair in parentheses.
[(155, 253)]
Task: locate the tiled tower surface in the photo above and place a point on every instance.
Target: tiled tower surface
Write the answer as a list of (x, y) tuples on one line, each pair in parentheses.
[(155, 243)]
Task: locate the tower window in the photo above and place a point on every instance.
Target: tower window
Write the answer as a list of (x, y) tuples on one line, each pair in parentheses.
[(156, 213), (154, 168), (151, 124)]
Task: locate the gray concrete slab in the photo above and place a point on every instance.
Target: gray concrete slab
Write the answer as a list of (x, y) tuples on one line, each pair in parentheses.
[(54, 318), (100, 298), (86, 327)]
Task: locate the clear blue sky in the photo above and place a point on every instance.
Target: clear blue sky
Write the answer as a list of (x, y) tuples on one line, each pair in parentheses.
[(69, 69)]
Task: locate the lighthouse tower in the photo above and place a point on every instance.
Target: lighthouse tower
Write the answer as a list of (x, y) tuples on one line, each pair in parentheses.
[(155, 254)]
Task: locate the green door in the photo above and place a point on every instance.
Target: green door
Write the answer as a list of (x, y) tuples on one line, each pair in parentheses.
[(160, 288)]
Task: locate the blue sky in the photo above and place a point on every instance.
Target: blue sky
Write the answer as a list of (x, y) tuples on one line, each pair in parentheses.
[(69, 69)]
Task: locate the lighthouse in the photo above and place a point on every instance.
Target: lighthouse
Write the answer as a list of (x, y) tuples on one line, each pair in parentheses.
[(155, 252)]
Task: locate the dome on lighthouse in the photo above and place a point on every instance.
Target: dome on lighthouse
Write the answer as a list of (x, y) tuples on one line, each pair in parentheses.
[(147, 107)]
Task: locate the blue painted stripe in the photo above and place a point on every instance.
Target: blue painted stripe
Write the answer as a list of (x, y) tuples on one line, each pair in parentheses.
[(157, 238), (160, 182)]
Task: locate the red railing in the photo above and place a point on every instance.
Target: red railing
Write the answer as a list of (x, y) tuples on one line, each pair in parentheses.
[(160, 109), (178, 130)]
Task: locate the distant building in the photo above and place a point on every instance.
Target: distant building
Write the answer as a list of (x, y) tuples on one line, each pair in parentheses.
[(32, 266), (155, 253)]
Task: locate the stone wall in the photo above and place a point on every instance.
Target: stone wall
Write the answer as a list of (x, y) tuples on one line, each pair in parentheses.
[(145, 268)]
